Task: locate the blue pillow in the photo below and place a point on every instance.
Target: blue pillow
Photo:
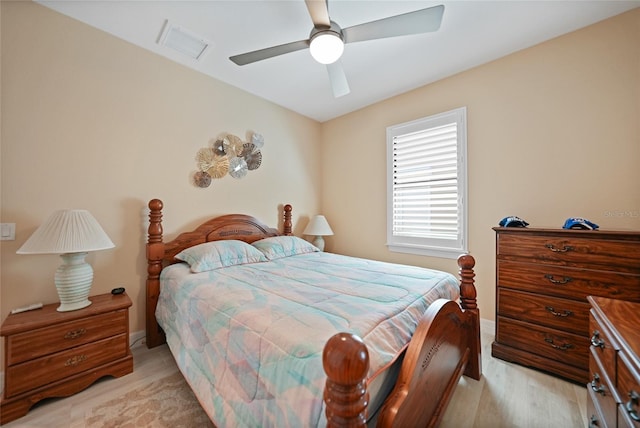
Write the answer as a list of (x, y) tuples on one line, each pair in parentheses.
[(217, 254)]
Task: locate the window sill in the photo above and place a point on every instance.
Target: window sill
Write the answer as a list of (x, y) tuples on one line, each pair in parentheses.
[(444, 253)]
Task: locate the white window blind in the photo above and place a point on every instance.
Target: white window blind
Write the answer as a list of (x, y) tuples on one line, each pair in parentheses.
[(427, 185)]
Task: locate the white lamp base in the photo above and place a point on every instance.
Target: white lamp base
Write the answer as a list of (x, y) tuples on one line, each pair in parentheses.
[(318, 241), (73, 280)]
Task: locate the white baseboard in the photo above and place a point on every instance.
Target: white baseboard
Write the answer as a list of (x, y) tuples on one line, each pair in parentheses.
[(487, 325), (137, 339)]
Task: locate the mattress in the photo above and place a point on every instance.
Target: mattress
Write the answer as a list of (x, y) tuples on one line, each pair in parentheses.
[(249, 338)]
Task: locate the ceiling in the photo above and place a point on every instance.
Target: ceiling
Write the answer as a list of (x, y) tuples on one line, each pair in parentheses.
[(472, 33)]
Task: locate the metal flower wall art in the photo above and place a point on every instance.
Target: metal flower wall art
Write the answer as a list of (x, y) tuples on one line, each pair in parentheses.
[(229, 155)]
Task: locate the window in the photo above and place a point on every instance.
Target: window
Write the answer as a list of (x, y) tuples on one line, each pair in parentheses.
[(427, 185)]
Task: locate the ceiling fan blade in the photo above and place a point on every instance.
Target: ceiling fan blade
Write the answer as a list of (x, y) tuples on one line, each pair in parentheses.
[(319, 11), (338, 79), (417, 22), (260, 54)]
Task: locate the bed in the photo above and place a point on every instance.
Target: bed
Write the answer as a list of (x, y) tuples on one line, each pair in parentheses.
[(291, 336)]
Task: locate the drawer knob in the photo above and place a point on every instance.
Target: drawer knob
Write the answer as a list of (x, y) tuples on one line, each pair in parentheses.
[(562, 347), (633, 401), (564, 248), (593, 422), (596, 386), (565, 313), (596, 341), (74, 334), (74, 361), (564, 280)]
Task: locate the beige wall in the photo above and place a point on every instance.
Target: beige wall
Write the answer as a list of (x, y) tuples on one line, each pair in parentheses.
[(89, 121), (553, 132)]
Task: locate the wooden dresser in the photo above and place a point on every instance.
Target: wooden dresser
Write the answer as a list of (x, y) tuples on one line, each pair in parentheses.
[(56, 354), (613, 393), (543, 278)]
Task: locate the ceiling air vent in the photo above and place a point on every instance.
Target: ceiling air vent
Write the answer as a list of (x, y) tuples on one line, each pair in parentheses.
[(183, 41)]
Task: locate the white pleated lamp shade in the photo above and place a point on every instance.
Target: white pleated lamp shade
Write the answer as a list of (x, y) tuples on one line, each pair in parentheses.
[(67, 231), (72, 234), (318, 227)]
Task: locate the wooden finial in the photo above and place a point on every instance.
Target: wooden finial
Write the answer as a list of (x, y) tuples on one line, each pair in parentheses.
[(346, 362), (287, 225), (466, 262)]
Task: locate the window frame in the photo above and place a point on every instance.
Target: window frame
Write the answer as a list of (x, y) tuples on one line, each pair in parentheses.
[(422, 245)]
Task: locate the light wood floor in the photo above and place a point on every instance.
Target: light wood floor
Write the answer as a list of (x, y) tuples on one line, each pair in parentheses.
[(507, 396)]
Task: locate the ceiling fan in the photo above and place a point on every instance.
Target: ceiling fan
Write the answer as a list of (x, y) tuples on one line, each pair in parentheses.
[(327, 39)]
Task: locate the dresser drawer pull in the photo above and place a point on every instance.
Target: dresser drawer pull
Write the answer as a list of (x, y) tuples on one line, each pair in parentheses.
[(564, 248), (564, 280), (634, 398), (74, 361), (562, 347), (558, 314), (596, 341), (74, 334), (596, 386), (593, 422)]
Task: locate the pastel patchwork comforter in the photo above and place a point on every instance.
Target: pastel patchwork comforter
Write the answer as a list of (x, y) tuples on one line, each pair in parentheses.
[(249, 338)]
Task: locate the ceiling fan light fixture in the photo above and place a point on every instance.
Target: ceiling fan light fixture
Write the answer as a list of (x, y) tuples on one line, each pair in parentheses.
[(326, 47)]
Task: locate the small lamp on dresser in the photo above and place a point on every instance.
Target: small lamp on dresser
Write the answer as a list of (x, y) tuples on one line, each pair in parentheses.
[(318, 227), (70, 233)]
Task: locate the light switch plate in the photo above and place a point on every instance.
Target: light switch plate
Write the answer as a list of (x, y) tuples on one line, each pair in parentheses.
[(8, 231)]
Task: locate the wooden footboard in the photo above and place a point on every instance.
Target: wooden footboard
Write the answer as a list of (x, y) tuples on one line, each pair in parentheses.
[(445, 345)]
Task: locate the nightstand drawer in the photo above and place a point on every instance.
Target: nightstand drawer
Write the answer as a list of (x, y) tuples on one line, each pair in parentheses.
[(33, 344), (553, 312), (45, 370), (569, 249), (568, 282), (569, 348)]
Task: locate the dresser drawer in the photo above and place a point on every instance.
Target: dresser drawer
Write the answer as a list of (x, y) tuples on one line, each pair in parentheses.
[(567, 282), (32, 344), (594, 413), (571, 250), (601, 389), (554, 312), (603, 346), (569, 348), (45, 370), (629, 387), (624, 421)]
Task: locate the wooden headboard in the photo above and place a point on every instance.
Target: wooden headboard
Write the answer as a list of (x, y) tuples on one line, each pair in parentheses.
[(159, 254)]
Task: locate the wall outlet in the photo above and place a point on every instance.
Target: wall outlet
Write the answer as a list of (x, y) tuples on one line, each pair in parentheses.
[(8, 231)]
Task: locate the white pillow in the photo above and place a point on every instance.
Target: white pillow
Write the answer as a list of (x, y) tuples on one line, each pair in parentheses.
[(277, 247), (217, 254)]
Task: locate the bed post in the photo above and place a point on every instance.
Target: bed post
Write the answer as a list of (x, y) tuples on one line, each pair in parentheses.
[(346, 362), (287, 225), (468, 302), (155, 254)]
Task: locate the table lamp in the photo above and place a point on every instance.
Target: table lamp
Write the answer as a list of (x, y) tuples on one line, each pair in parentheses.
[(319, 227), (70, 233)]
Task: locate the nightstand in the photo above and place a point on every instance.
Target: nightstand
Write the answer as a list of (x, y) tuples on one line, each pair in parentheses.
[(57, 354)]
